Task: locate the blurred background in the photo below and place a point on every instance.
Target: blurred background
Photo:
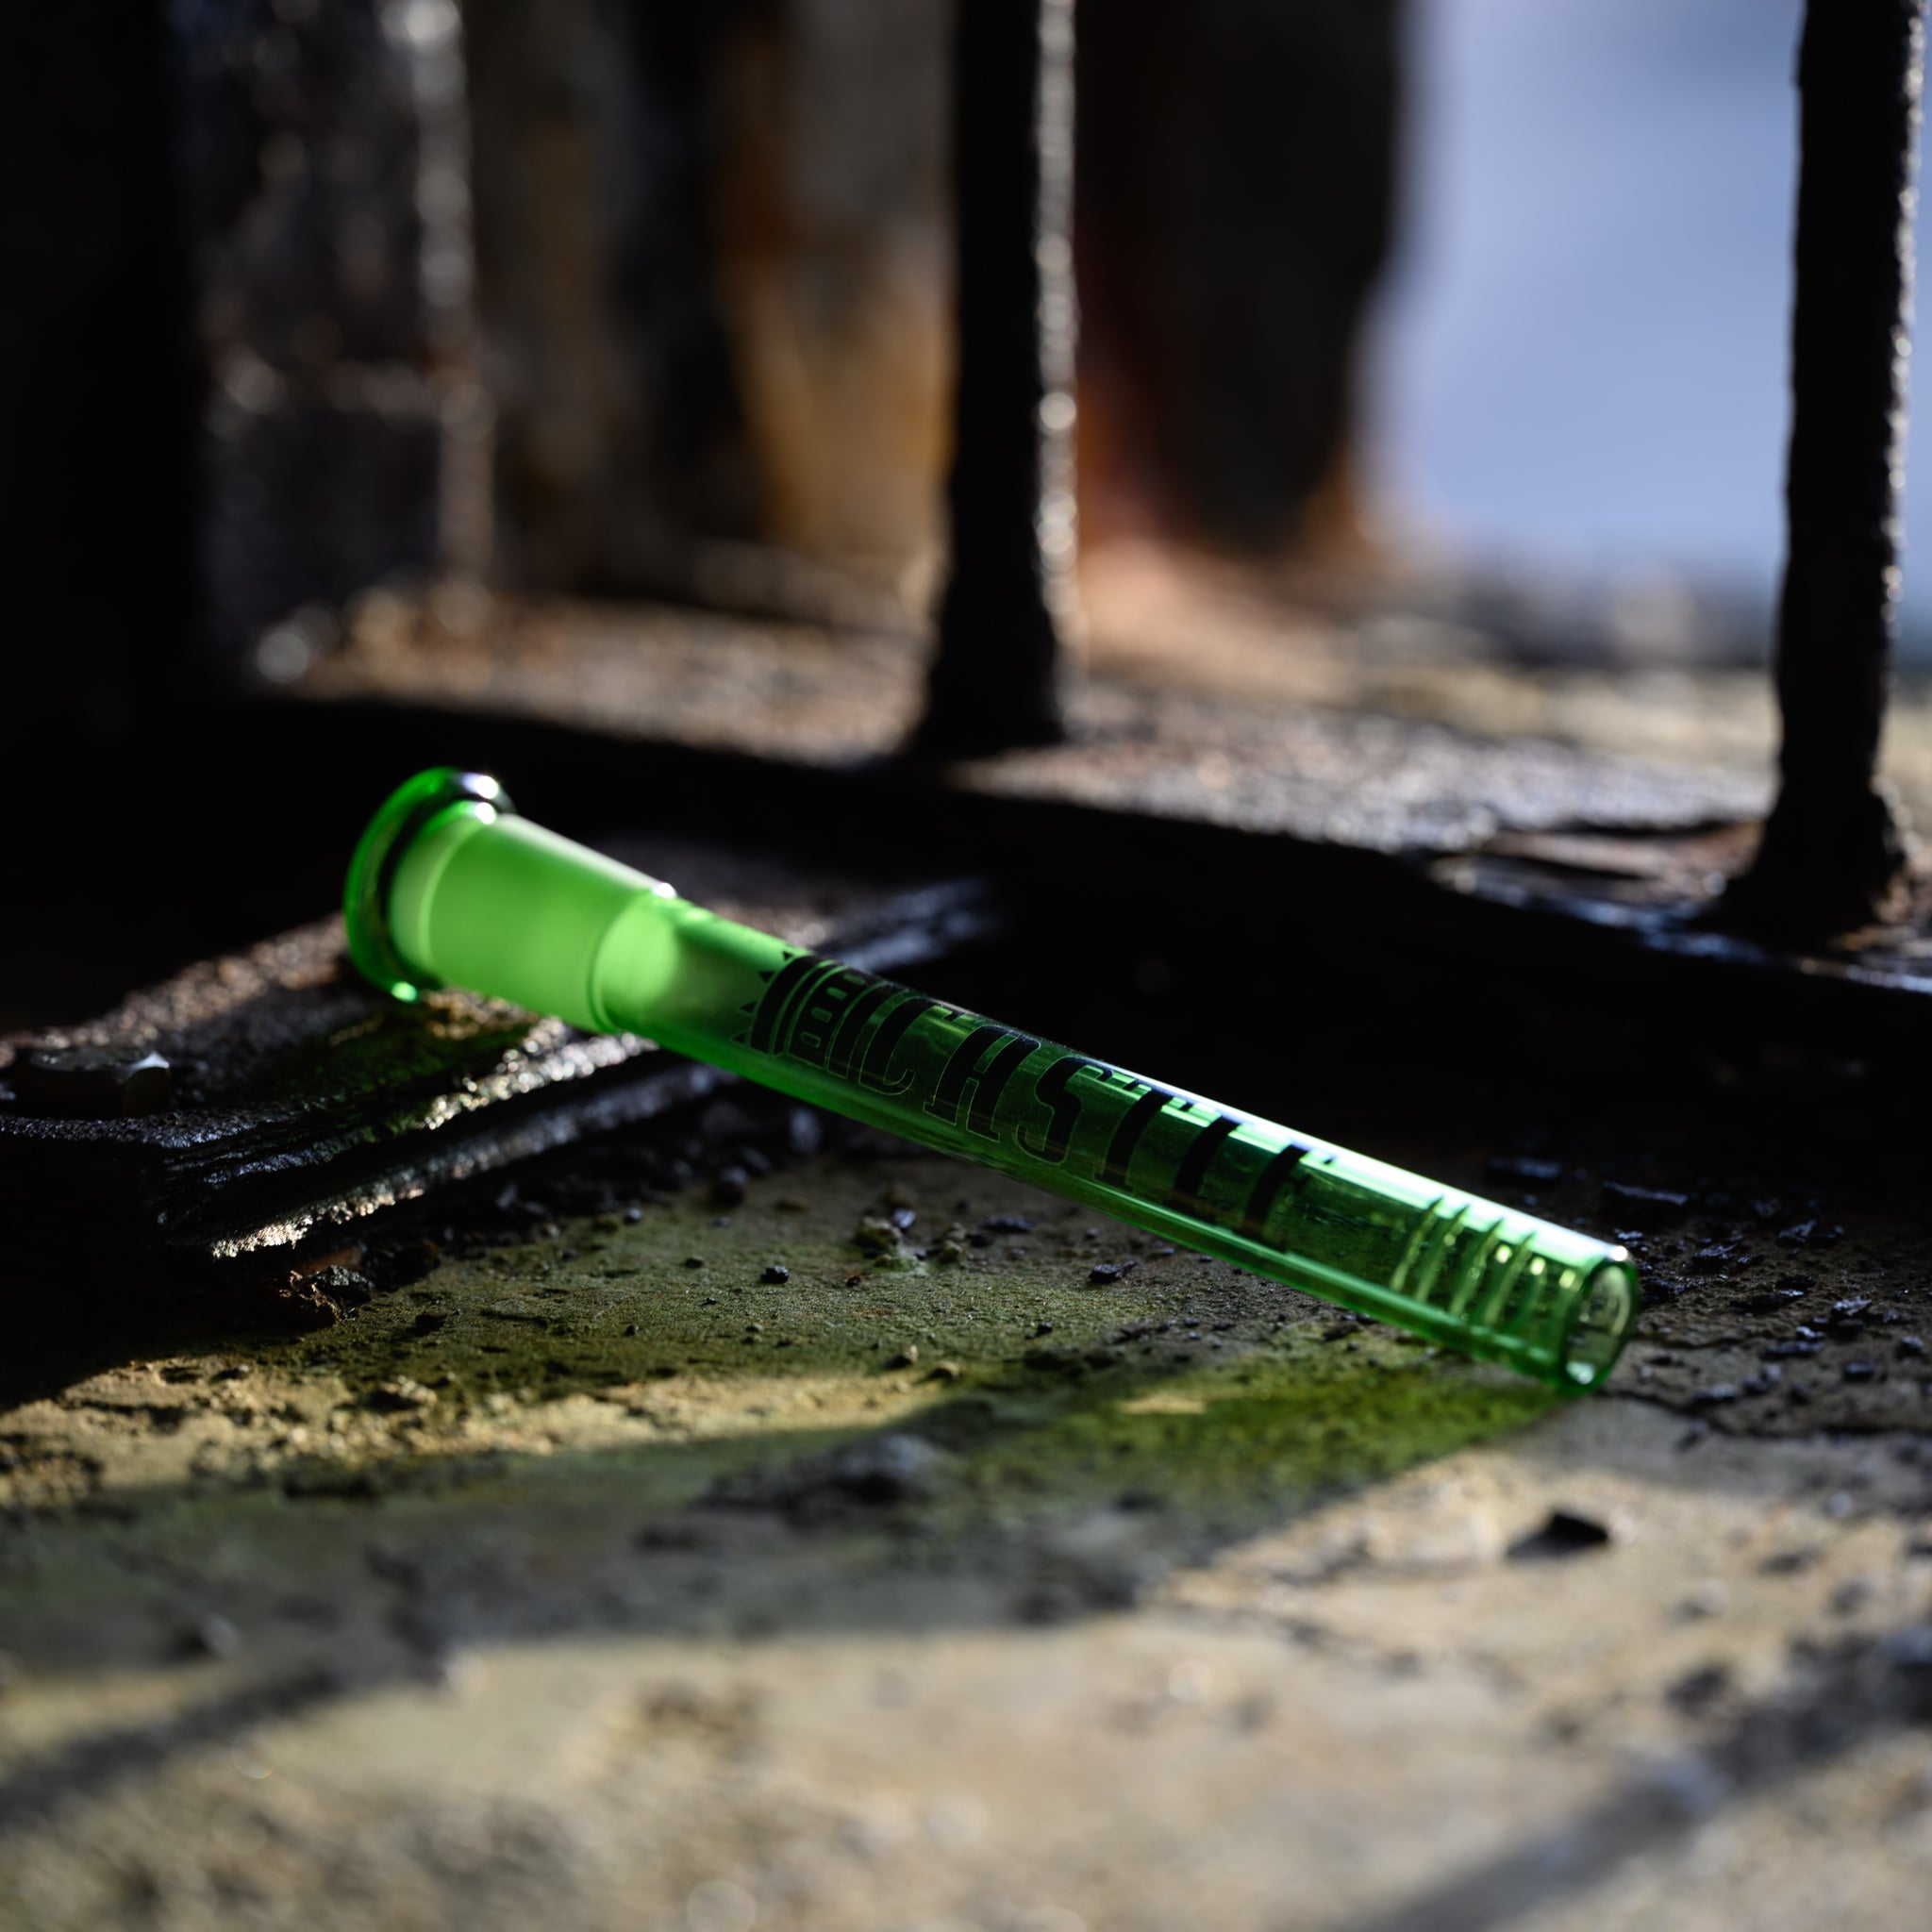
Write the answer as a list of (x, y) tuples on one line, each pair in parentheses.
[(1582, 362), (616, 297), (1414, 335)]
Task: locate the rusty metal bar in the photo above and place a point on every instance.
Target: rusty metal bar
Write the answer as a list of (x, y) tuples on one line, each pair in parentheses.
[(992, 678), (1834, 847)]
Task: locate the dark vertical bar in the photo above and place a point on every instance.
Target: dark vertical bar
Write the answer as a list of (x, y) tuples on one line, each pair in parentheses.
[(1132, 1131), (992, 681), (1267, 1187), (1834, 847), (1192, 1171)]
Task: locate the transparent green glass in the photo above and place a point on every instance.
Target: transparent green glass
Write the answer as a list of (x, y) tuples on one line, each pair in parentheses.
[(449, 886)]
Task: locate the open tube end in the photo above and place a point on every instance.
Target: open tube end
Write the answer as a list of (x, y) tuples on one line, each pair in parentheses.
[(1606, 1312), (405, 816)]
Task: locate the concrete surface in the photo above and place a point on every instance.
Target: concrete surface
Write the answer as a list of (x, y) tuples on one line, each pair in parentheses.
[(586, 1573), (573, 1583)]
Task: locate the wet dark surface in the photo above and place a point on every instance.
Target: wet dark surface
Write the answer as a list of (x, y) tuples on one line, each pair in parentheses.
[(302, 1099)]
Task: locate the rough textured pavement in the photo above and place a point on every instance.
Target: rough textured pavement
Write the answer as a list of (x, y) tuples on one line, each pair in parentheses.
[(574, 1568), (587, 1573)]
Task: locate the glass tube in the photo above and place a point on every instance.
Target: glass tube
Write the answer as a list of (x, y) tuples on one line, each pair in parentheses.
[(451, 887)]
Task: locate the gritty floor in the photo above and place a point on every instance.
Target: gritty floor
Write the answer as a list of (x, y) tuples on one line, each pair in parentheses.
[(753, 1525), (817, 1542)]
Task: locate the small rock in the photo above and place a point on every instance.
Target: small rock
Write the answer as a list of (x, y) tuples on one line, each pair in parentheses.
[(1861, 1372), (876, 1234), (301, 1306), (344, 1287), (1105, 1273), (883, 1239), (1809, 1234), (951, 1247), (1565, 1534), (694, 1261), (1771, 1300), (776, 1275), (728, 1187), (1006, 1223), (943, 1372), (1520, 1167), (905, 1357), (1643, 1207)]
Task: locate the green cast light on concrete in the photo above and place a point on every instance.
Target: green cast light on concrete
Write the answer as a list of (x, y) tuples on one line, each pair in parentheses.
[(449, 886)]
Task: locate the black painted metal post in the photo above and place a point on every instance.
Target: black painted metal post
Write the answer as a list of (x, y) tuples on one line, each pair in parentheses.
[(992, 683), (1834, 847)]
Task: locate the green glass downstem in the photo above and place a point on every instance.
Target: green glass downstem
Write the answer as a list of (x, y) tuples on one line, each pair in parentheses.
[(449, 886)]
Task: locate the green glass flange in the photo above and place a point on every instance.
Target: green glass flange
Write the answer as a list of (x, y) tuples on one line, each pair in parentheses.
[(405, 815)]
